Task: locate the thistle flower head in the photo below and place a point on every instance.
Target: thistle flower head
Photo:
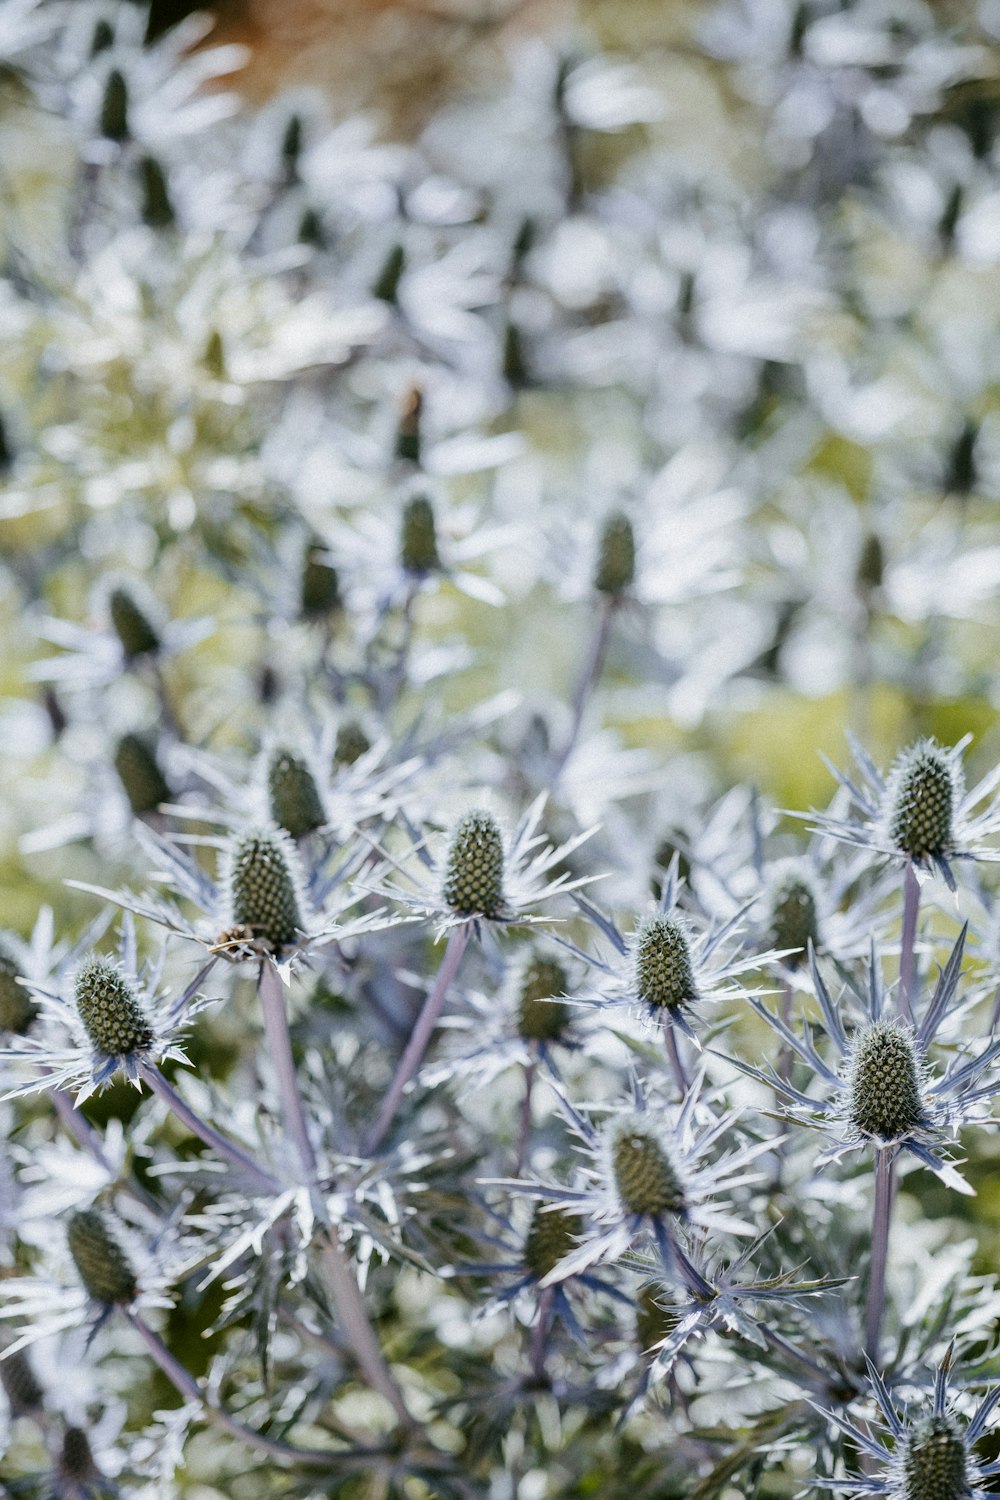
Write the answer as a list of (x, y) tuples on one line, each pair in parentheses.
[(552, 1234), (664, 972), (541, 1017), (418, 548), (111, 1014), (615, 570), (114, 107), (646, 1179), (262, 886), (76, 1460), (131, 625), (936, 1460), (351, 743), (20, 1384), (792, 913), (885, 1095), (653, 1321), (17, 1009), (473, 883), (144, 783), (923, 798), (293, 796), (319, 586), (100, 1261)]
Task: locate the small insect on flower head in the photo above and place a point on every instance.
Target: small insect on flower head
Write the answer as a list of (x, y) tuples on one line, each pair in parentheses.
[(552, 1234), (886, 1100), (924, 791), (111, 1014), (541, 1016), (100, 1261), (473, 883), (615, 570), (646, 1179), (263, 888), (293, 795), (664, 972)]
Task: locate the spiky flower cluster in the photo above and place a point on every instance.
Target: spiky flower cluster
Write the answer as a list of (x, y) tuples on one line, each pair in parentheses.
[(474, 868), (541, 1015), (418, 546), (139, 773), (100, 1261), (262, 887), (922, 798), (793, 917), (17, 1009), (884, 1082), (664, 972), (293, 796), (109, 1009), (552, 1234), (615, 571), (646, 1179), (935, 1461), (131, 624)]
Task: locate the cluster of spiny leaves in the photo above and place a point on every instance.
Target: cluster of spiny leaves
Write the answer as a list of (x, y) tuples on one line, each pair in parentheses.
[(408, 550)]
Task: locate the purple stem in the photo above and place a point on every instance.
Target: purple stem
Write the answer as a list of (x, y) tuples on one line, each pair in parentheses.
[(86, 1136), (220, 1144), (875, 1306), (589, 676), (524, 1134), (540, 1334), (421, 1034), (908, 946), (674, 1053), (279, 1046)]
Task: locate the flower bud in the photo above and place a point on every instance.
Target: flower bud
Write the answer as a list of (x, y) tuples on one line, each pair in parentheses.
[(474, 874), (935, 1461), (615, 555), (114, 108), (21, 1388), (541, 1017), (103, 37), (140, 775), (214, 355), (664, 973), (351, 744), (157, 209), (418, 549), (792, 915), (17, 1009), (922, 801), (100, 1261), (76, 1461), (552, 1234), (870, 569), (291, 148), (319, 589), (653, 1320), (386, 284), (885, 1097), (132, 627), (293, 795), (111, 1014), (263, 890), (645, 1178)]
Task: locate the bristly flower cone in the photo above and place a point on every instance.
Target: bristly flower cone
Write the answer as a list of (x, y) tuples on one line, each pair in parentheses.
[(473, 882), (885, 1097), (17, 1009), (664, 974), (935, 1461), (76, 1461), (263, 892), (615, 570), (111, 1014), (20, 1385), (792, 918), (646, 1179), (101, 1263), (418, 548), (541, 1017), (552, 1234), (922, 789), (293, 795), (142, 780), (319, 587), (132, 627), (352, 743)]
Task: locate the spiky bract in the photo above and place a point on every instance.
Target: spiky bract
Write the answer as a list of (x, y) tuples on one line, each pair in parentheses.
[(473, 883), (885, 1096), (294, 799), (263, 890), (664, 973), (109, 1009), (100, 1261)]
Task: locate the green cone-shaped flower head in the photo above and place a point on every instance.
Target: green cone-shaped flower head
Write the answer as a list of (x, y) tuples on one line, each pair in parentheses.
[(352, 743), (664, 973), (615, 569), (541, 1016), (157, 209), (110, 1011), (653, 1318), (418, 548), (792, 916), (17, 1009), (884, 1087), (140, 775), (936, 1461), (473, 883), (293, 796), (922, 801), (646, 1179), (100, 1261), (319, 588), (76, 1461), (552, 1234), (20, 1384), (263, 888), (114, 108), (131, 625)]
